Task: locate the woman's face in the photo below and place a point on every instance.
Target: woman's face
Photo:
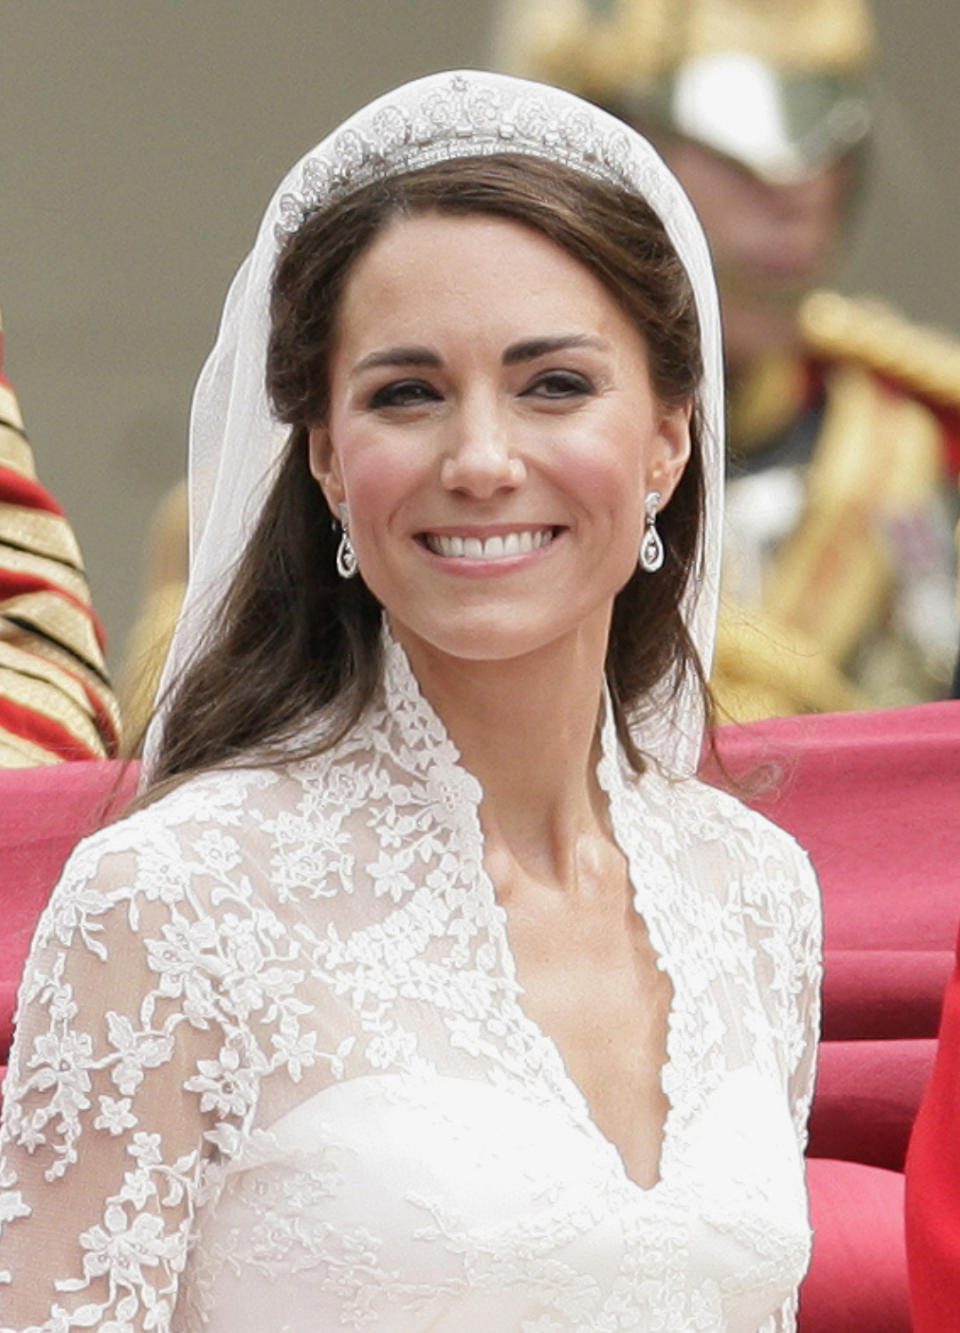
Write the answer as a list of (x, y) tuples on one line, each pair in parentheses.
[(493, 433)]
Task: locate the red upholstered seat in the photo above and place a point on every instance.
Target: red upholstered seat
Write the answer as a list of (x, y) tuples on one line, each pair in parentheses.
[(874, 797), (867, 1098), (858, 1278), (884, 993), (43, 812)]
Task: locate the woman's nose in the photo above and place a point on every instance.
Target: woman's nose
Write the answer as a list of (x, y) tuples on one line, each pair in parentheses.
[(480, 457)]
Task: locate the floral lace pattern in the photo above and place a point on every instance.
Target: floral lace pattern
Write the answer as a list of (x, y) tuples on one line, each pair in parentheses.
[(272, 1068)]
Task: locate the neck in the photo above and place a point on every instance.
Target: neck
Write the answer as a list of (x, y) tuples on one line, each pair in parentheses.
[(527, 729)]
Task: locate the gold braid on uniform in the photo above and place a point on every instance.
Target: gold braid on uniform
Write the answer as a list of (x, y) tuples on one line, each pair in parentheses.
[(56, 701), (892, 394)]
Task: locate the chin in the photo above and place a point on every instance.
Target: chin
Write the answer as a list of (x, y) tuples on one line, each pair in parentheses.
[(473, 642), (501, 635)]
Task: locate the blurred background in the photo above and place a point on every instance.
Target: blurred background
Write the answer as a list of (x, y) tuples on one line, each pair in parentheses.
[(141, 139)]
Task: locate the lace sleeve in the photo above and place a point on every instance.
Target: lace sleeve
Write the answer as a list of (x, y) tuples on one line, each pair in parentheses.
[(131, 1078), (798, 944), (807, 953)]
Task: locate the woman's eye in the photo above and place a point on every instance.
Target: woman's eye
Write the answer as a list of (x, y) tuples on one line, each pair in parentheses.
[(404, 393), (560, 384)]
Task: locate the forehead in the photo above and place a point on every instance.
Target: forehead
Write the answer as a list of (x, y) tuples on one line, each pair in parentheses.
[(473, 274)]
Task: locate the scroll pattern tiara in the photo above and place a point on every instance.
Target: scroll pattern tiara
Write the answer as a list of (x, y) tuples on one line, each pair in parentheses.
[(464, 118)]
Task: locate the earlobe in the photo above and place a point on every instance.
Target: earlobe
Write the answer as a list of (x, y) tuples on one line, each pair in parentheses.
[(324, 466)]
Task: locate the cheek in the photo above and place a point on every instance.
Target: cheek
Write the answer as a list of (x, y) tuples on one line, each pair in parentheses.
[(604, 471), (377, 477)]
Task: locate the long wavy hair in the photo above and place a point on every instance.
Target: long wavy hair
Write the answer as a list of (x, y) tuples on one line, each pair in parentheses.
[(294, 643)]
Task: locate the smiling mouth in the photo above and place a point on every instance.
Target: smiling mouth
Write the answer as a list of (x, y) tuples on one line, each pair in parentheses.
[(489, 548)]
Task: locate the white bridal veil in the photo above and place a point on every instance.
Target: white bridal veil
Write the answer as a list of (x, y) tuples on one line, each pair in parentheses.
[(235, 442)]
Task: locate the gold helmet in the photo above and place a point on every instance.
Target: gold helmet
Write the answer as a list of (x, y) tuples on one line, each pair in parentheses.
[(777, 85)]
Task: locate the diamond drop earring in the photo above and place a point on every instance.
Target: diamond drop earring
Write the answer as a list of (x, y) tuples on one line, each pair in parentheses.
[(651, 547), (346, 556)]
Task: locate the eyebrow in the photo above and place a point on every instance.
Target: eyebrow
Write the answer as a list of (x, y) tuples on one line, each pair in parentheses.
[(528, 350), (398, 356), (532, 348)]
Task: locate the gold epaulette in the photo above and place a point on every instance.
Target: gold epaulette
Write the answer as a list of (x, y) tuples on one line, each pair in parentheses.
[(613, 46), (926, 361)]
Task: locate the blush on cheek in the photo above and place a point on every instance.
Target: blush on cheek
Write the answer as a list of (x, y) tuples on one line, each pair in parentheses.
[(377, 482), (596, 477)]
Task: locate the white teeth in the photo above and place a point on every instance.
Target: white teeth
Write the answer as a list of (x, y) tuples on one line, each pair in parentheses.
[(491, 548)]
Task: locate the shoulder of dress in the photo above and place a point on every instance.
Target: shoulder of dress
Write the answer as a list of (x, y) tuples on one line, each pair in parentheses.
[(775, 882), (202, 798), (922, 361), (710, 812), (167, 830)]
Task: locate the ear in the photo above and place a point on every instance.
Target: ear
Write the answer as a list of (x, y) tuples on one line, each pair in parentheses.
[(325, 466), (671, 451)]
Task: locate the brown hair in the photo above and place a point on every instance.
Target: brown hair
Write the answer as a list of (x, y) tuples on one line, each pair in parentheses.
[(292, 639)]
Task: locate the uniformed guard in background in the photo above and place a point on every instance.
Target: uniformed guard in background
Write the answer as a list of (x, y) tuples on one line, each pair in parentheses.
[(844, 419)]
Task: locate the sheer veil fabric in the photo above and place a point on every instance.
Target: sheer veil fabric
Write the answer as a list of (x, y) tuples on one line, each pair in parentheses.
[(273, 1068), (235, 441)]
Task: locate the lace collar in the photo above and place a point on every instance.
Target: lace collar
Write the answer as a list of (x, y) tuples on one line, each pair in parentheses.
[(646, 831), (423, 730)]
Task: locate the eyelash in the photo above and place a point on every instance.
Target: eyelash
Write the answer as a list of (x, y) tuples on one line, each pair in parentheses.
[(403, 393), (555, 384), (572, 384)]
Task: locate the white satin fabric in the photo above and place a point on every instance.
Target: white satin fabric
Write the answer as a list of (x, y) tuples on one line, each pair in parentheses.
[(273, 1070)]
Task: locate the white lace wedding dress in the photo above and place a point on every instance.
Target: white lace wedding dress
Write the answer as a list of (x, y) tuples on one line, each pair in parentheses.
[(273, 1072)]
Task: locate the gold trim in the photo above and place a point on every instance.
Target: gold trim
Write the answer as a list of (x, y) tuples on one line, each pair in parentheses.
[(65, 577), (826, 592), (877, 455), (9, 407), (53, 615), (766, 669), (48, 702), (16, 752), (765, 399), (603, 51), (15, 452), (23, 641), (36, 667), (39, 530), (923, 359)]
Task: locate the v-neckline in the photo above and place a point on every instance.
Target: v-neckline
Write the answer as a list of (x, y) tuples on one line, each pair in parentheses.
[(573, 1093), (400, 678)]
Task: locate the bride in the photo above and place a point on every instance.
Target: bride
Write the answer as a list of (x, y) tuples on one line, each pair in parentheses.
[(427, 988)]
